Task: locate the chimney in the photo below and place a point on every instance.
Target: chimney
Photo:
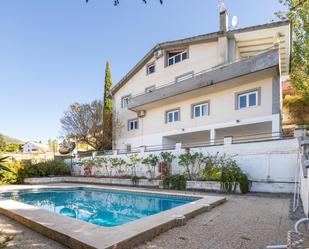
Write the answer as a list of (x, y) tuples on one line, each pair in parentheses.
[(224, 21)]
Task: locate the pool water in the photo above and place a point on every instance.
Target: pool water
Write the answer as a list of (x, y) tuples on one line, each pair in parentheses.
[(100, 207)]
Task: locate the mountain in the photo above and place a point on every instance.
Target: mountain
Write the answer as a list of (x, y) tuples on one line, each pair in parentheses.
[(11, 140)]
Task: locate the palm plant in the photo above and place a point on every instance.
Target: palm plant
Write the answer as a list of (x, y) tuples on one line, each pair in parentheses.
[(3, 160)]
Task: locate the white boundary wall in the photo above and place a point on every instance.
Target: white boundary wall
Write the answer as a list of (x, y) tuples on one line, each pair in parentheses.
[(304, 172), (271, 165)]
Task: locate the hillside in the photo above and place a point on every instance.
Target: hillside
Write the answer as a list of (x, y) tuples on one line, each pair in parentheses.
[(11, 140)]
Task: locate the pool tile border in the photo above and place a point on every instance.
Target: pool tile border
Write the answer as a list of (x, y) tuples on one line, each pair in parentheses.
[(80, 234)]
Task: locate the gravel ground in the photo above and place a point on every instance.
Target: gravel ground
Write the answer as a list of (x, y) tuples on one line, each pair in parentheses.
[(243, 222), (20, 237)]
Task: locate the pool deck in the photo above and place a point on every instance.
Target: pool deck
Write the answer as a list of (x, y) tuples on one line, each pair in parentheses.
[(243, 222), (80, 234)]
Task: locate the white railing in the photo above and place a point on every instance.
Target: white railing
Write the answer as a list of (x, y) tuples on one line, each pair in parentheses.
[(270, 164)]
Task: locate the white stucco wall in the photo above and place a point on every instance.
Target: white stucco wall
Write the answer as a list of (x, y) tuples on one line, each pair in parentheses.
[(222, 113), (271, 165)]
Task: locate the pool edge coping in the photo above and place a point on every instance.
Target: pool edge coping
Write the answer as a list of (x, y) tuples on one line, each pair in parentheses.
[(80, 234)]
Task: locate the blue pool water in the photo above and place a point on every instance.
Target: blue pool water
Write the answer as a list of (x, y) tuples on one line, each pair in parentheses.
[(100, 207)]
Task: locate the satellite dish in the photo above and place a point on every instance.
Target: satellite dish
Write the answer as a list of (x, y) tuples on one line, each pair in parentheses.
[(234, 21)]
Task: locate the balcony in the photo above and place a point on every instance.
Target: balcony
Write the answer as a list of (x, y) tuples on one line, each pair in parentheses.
[(215, 79)]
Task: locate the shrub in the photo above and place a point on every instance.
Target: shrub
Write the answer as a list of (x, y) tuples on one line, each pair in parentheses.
[(225, 170), (190, 162), (298, 108), (118, 164), (11, 176), (151, 161), (21, 170), (178, 182), (244, 183), (134, 161), (165, 166), (135, 180), (41, 169)]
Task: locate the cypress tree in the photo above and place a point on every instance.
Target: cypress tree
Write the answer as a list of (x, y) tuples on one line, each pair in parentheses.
[(107, 110), (108, 105)]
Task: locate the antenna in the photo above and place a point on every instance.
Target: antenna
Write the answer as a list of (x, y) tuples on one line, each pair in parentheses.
[(234, 21), (221, 5)]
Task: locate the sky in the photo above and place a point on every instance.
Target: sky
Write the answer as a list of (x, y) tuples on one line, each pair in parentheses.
[(53, 52)]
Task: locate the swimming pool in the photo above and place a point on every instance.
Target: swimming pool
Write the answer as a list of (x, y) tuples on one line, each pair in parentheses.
[(107, 208)]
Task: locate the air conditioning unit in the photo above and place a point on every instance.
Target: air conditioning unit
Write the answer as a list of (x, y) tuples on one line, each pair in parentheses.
[(158, 53), (141, 113)]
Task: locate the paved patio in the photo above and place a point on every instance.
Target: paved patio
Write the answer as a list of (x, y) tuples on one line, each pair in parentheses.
[(244, 222), (22, 237)]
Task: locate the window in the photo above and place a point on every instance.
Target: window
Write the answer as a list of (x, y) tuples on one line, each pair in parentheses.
[(176, 57), (172, 116), (200, 110), (248, 99), (132, 124), (151, 68), (150, 89), (125, 101)]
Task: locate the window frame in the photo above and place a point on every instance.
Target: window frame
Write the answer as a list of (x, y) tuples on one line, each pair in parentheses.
[(134, 121), (151, 64), (129, 96), (200, 104), (256, 91), (172, 111), (181, 54)]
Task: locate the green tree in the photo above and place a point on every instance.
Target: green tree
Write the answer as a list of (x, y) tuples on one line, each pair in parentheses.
[(108, 105), (53, 145), (13, 148), (2, 143), (298, 14), (107, 109)]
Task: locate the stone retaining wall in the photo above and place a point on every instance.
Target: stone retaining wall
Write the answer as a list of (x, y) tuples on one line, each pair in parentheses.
[(191, 185)]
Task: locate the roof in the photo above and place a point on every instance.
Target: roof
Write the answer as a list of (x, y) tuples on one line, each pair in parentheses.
[(191, 40), (39, 145)]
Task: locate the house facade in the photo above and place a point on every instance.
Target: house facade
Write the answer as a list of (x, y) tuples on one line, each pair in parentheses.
[(201, 89), (34, 147)]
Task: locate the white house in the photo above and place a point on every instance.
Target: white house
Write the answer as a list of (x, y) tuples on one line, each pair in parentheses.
[(34, 147), (201, 89)]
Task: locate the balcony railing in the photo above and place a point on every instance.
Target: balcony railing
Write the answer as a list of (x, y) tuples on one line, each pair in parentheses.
[(267, 61), (252, 138)]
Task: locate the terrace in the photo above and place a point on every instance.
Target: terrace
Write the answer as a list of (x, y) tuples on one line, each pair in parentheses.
[(242, 222)]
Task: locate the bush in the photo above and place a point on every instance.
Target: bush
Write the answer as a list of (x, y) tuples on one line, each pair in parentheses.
[(151, 161), (178, 182), (244, 183), (21, 170), (41, 169), (225, 170), (12, 176), (191, 163), (298, 108), (135, 180)]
